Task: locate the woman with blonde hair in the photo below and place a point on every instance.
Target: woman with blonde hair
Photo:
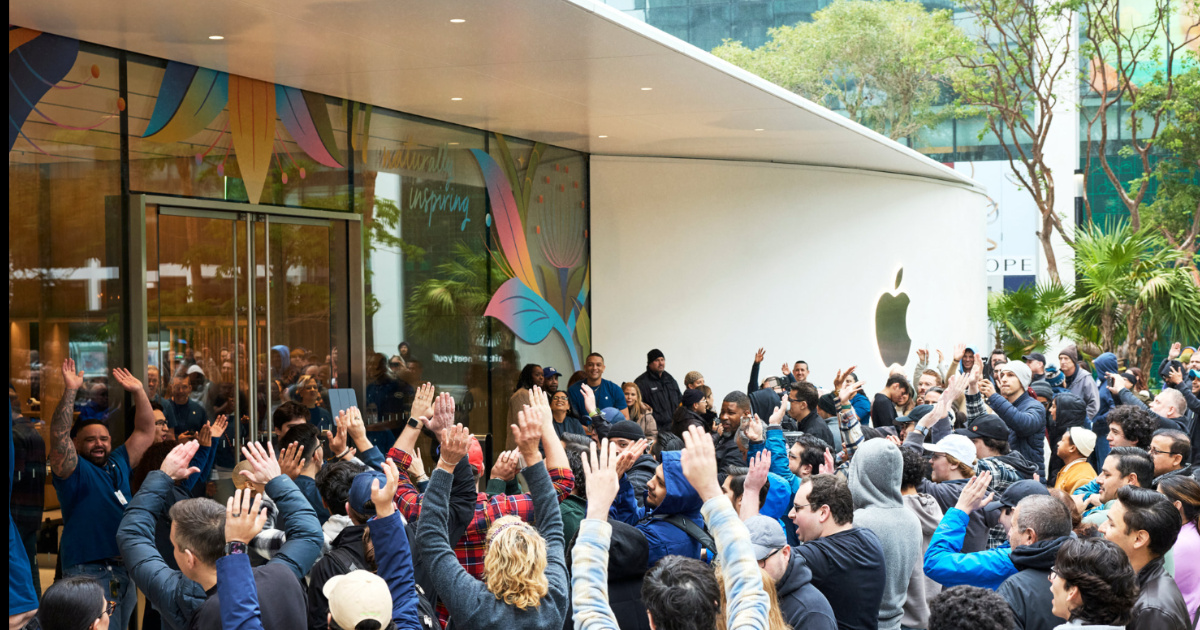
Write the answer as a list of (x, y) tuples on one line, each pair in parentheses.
[(774, 615), (639, 411), (525, 584)]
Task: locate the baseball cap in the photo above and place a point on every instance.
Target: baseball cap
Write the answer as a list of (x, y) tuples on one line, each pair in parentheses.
[(1034, 356), (1083, 439), (985, 426), (360, 491), (766, 535), (358, 596), (475, 455), (195, 369), (957, 446), (549, 372), (1016, 491), (918, 412)]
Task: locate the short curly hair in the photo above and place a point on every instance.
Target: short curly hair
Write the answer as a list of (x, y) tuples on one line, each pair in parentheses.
[(914, 468), (970, 608), (1106, 581), (1136, 423)]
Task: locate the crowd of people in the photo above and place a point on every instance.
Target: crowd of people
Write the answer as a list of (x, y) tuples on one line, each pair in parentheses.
[(974, 494)]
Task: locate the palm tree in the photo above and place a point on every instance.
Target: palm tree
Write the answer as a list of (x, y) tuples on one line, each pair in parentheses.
[(1024, 319), (1129, 288)]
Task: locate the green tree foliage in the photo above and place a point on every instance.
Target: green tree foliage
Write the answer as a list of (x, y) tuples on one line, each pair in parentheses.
[(1175, 211), (882, 63), (1026, 319)]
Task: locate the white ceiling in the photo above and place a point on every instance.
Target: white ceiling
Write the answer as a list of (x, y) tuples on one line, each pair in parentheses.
[(559, 71)]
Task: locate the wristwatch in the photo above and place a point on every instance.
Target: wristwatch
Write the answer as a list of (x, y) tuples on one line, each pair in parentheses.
[(414, 423), (922, 430), (234, 547)]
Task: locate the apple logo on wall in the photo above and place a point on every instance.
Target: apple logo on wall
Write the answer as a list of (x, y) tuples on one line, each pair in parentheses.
[(891, 325)]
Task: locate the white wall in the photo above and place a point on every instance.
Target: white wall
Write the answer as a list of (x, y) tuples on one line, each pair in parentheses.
[(708, 260)]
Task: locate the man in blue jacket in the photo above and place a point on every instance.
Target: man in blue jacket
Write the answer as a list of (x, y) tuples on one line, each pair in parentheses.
[(1025, 417), (669, 497), (187, 598)]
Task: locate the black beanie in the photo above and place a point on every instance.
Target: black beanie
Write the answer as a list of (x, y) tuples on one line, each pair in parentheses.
[(654, 355), (692, 396), (626, 429), (829, 403)]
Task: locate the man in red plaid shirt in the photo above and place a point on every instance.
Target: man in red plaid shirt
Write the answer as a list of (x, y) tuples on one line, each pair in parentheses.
[(471, 547)]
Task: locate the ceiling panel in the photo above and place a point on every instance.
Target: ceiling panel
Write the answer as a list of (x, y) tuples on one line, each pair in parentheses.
[(558, 71)]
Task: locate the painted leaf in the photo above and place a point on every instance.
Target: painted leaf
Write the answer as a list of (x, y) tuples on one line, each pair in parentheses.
[(306, 118), (576, 284), (552, 287), (252, 124), (509, 229), (523, 311), (583, 332), (36, 61), (189, 99)]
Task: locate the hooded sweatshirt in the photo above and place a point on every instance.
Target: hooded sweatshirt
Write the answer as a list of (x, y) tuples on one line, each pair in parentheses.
[(663, 538), (1028, 592), (921, 589), (802, 605), (627, 555), (1101, 366), (1081, 383), (874, 480), (1069, 411)]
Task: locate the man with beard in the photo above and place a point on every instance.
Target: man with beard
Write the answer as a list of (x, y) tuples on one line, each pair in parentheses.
[(94, 489), (1024, 416), (659, 389)]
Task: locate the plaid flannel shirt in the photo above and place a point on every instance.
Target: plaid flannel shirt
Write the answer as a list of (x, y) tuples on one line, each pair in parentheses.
[(1003, 476), (976, 407), (471, 547), (852, 437)]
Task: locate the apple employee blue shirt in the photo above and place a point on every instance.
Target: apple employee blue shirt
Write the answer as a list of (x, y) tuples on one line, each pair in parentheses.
[(93, 501), (609, 394)]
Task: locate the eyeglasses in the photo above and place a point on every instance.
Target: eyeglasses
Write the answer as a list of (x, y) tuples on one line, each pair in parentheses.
[(393, 365), (1053, 573), (768, 557), (160, 423), (110, 608), (1153, 451), (798, 507)]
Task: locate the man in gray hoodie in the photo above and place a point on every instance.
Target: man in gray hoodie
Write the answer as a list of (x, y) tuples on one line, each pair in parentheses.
[(874, 480)]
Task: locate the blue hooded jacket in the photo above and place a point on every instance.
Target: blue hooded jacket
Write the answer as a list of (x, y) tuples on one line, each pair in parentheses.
[(664, 538), (1104, 364)]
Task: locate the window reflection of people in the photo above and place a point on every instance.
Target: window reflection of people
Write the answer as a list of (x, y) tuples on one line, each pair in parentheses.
[(309, 394), (385, 402)]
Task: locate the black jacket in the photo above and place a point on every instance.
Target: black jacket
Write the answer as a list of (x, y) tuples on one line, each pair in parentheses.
[(814, 424), (1028, 592), (660, 391), (1070, 411), (802, 605), (1160, 605), (628, 556), (345, 555), (684, 419), (728, 453)]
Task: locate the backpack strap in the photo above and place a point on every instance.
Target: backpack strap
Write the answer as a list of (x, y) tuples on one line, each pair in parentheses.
[(693, 530)]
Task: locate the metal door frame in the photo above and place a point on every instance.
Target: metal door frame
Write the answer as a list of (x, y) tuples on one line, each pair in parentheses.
[(348, 307)]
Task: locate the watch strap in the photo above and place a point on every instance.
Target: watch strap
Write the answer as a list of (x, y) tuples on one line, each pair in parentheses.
[(235, 547)]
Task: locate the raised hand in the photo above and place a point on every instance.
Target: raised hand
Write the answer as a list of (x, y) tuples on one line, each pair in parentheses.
[(959, 350), (244, 518), (589, 399), (1175, 351), (760, 465), (416, 466), (699, 463), (528, 435), (358, 429), (423, 401), (828, 468), (541, 404), (941, 357), (204, 438), (382, 497), (784, 368), (841, 377), (603, 480), (922, 355), (127, 380), (1175, 376), (1117, 383), (985, 387), (974, 377), (760, 355), (975, 494), (219, 426), (291, 461), (506, 466), (630, 456), (776, 416), (754, 428), (443, 413), (71, 380), (849, 391), (176, 464), (456, 440), (266, 466)]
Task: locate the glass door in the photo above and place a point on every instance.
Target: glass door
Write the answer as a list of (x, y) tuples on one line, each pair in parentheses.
[(245, 311)]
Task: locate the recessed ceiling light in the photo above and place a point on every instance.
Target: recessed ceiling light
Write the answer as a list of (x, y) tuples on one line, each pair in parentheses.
[(647, 89), (457, 21), (453, 143), (456, 98), (216, 37), (603, 136), (759, 129)]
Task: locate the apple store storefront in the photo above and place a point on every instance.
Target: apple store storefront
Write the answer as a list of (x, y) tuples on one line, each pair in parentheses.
[(252, 242)]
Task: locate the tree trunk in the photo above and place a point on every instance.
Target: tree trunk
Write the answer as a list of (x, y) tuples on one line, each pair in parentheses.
[(1046, 233)]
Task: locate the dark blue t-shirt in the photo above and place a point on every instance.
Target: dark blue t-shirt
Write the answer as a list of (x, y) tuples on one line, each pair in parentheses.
[(321, 418), (91, 508), (185, 418), (609, 394), (847, 567)]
